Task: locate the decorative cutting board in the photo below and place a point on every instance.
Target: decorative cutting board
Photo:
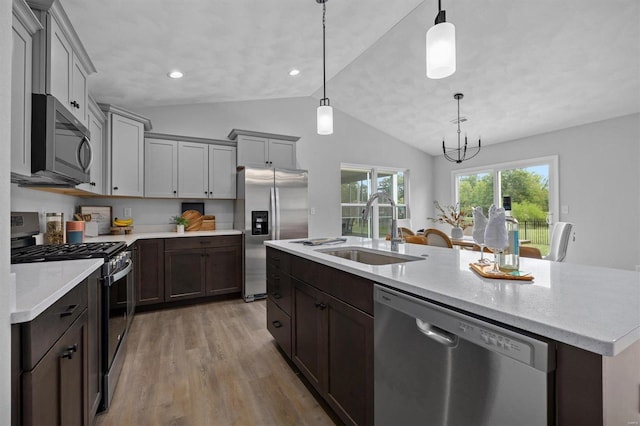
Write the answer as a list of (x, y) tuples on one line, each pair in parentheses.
[(482, 270)]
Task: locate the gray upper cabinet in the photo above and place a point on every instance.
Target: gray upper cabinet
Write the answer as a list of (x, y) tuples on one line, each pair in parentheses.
[(222, 171), (193, 170), (24, 25), (160, 168), (189, 167), (96, 121), (124, 151), (61, 63), (258, 149)]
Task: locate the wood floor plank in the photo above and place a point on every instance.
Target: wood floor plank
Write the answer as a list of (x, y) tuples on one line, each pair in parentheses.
[(208, 364)]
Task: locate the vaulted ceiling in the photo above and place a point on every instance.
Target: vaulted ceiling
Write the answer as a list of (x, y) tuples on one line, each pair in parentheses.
[(525, 67)]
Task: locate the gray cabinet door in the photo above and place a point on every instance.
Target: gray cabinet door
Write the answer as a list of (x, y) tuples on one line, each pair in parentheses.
[(222, 171), (160, 168), (127, 156), (193, 170)]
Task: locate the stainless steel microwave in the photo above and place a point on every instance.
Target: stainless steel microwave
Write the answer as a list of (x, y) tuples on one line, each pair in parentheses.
[(60, 147)]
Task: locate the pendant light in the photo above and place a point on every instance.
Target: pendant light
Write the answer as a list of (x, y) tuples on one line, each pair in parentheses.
[(441, 47), (460, 151), (325, 112)]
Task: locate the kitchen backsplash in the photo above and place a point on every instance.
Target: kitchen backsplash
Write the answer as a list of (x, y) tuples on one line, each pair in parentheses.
[(149, 215)]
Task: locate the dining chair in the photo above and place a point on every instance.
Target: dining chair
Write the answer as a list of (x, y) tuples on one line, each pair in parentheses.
[(559, 241), (405, 231), (436, 237), (415, 239), (528, 251)]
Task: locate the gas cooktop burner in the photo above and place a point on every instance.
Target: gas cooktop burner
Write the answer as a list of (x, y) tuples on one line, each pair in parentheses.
[(45, 253)]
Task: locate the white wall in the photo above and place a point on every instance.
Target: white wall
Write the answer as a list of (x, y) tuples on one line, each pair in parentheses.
[(31, 200), (599, 174), (352, 142), (148, 213), (5, 165)]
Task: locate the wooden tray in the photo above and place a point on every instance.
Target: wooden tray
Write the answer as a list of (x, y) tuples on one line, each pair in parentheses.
[(481, 270), (119, 230)]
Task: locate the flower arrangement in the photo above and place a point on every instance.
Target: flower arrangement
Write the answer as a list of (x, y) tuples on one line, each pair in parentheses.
[(179, 220), (453, 215)]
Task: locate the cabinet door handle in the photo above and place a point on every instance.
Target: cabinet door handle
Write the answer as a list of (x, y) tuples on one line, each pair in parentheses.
[(70, 351), (320, 306), (277, 296), (93, 184), (275, 277), (70, 310), (175, 192), (115, 188), (277, 324)]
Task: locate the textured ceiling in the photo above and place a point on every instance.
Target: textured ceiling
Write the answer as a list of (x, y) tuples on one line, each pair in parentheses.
[(525, 67)]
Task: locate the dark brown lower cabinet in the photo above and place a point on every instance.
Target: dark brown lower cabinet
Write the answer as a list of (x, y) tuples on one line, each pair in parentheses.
[(333, 347), (224, 269), (149, 269), (202, 266), (55, 390), (94, 328), (184, 272)]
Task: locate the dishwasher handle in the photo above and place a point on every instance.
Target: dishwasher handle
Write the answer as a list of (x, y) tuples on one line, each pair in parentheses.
[(436, 333)]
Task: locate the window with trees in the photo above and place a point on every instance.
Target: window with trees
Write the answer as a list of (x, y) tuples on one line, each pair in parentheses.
[(357, 183), (531, 184)]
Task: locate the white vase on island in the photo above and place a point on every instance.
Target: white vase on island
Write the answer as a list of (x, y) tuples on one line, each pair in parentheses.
[(457, 233)]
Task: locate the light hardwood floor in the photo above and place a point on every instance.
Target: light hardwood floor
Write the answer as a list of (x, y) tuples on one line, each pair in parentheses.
[(208, 364)]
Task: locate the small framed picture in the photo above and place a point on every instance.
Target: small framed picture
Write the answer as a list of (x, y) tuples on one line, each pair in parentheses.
[(99, 214)]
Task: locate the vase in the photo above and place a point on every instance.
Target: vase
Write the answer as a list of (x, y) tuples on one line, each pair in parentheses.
[(180, 229), (456, 233)]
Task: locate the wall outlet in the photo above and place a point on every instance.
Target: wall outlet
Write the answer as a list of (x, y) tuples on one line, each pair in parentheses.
[(127, 211), (312, 210), (564, 209)]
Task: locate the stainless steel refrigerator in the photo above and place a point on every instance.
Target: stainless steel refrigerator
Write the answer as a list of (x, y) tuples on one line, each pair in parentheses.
[(271, 204)]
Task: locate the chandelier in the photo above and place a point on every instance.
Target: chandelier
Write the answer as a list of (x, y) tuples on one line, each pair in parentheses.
[(459, 154)]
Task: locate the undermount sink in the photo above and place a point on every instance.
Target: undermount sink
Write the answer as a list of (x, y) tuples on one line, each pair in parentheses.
[(369, 256)]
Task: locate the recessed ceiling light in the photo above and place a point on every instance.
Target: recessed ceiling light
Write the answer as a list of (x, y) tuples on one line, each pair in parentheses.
[(294, 72), (175, 74)]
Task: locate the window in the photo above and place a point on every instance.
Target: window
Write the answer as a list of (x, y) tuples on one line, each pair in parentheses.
[(532, 186), (357, 183)]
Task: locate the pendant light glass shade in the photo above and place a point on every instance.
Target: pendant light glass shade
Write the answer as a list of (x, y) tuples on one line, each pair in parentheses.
[(441, 50), (325, 120)]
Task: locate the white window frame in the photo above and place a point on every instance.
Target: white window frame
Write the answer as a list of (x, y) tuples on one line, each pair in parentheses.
[(374, 214), (496, 169)]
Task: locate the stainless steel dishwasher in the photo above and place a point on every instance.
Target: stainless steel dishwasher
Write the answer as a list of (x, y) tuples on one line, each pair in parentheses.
[(435, 366)]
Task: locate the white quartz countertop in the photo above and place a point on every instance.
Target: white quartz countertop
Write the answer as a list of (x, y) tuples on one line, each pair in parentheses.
[(593, 308), (40, 285), (132, 238)]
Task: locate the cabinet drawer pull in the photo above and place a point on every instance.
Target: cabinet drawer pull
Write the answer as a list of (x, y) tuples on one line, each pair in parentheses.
[(70, 310), (320, 306), (277, 296), (275, 277), (277, 324)]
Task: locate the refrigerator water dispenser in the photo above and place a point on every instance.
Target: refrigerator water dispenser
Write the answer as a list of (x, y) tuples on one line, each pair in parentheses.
[(259, 223)]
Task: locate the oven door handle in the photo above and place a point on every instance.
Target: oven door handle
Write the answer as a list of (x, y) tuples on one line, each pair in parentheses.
[(109, 280)]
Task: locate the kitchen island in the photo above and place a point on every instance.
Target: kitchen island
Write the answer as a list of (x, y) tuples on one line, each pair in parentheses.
[(591, 314)]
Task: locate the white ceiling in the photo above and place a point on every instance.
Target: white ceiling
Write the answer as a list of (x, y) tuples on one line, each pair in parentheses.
[(525, 66)]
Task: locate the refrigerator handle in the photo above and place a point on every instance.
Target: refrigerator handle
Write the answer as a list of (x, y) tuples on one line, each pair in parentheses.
[(272, 214), (277, 218)]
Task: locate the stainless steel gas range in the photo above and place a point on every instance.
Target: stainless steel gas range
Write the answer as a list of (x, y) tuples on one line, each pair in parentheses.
[(117, 288)]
